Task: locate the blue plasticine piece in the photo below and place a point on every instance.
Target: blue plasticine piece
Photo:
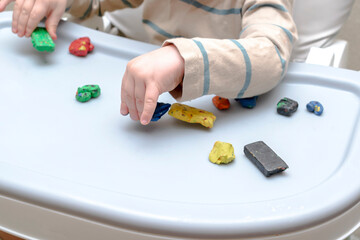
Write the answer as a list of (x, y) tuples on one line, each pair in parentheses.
[(315, 107), (161, 109), (310, 106), (247, 102)]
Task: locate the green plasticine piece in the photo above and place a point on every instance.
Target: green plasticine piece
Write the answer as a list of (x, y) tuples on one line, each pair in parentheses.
[(42, 41), (93, 89), (83, 96), (85, 93)]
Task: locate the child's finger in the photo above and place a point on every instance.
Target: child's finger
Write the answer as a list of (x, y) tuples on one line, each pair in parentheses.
[(53, 21), (37, 13), (130, 102), (151, 97), (16, 14), (127, 93), (3, 4), (139, 96), (24, 17), (123, 107)]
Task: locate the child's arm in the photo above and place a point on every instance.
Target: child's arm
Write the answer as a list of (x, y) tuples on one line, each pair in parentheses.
[(146, 77), (28, 13), (248, 66), (233, 68)]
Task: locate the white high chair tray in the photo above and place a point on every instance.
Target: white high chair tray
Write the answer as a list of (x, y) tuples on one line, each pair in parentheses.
[(88, 161)]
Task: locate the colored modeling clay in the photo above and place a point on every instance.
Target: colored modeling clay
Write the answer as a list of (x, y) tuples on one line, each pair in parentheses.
[(315, 107), (247, 102), (221, 103), (192, 115), (93, 89), (42, 41), (81, 47), (161, 109), (287, 106), (222, 152), (83, 96), (85, 93), (264, 158)]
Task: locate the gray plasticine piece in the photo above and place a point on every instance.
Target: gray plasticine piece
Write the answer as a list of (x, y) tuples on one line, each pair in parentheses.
[(265, 159)]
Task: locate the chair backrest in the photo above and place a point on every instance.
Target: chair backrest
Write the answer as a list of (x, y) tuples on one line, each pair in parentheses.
[(318, 22), (129, 22)]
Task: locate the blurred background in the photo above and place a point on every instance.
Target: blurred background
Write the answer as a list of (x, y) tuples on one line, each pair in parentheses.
[(351, 33)]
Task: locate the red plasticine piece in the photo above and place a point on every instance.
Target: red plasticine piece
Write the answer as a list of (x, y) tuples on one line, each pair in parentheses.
[(221, 103), (81, 47)]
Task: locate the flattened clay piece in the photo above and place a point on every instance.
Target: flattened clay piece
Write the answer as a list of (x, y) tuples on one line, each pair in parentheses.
[(93, 89), (81, 47), (287, 106), (192, 115), (161, 109), (42, 41), (247, 102), (83, 96), (85, 93), (222, 153), (264, 158), (221, 103), (315, 107)]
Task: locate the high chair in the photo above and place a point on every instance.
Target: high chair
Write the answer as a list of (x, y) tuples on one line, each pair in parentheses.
[(73, 171)]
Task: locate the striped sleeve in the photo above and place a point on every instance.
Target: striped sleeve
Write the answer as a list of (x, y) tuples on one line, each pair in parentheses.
[(87, 8), (248, 66)]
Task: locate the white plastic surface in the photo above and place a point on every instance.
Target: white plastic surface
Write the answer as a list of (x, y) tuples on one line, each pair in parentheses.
[(86, 160), (34, 222)]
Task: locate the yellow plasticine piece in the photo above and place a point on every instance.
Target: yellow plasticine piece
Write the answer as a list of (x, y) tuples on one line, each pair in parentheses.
[(192, 115), (222, 152)]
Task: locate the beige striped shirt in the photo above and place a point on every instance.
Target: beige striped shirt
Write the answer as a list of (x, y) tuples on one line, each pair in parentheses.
[(231, 48)]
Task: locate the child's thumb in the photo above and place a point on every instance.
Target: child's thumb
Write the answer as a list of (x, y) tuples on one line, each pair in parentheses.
[(52, 22)]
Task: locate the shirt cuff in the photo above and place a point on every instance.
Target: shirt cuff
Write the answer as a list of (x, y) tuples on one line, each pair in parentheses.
[(193, 81)]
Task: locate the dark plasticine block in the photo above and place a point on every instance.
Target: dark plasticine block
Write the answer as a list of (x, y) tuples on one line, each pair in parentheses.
[(287, 106), (265, 159)]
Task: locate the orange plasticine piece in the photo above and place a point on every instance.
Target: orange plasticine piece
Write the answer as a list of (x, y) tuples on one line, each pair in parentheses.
[(221, 103)]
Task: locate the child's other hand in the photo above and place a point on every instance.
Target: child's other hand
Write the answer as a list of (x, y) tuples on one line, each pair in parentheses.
[(146, 77), (28, 13)]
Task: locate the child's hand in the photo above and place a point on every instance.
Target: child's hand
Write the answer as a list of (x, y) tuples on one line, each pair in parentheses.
[(146, 77), (28, 13)]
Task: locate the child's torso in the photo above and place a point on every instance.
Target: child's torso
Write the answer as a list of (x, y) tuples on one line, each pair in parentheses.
[(188, 18)]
